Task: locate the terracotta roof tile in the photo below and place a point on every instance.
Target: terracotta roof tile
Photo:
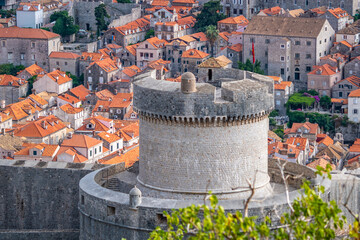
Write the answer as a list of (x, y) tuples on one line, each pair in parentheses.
[(59, 77), (272, 11), (47, 150), (34, 70), (239, 20), (28, 33), (78, 157), (338, 12), (107, 64), (70, 109), (355, 93), (108, 137), (22, 109), (193, 53), (129, 132), (141, 24), (129, 157), (80, 92), (121, 100), (320, 162), (104, 95), (68, 98), (68, 55), (237, 47), (339, 100), (132, 48), (37, 99), (81, 141), (101, 124), (88, 56), (9, 80), (312, 127)]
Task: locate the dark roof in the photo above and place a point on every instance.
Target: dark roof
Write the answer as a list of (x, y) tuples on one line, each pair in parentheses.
[(285, 27)]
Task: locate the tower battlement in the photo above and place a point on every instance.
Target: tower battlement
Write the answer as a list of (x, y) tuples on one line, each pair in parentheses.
[(237, 101)]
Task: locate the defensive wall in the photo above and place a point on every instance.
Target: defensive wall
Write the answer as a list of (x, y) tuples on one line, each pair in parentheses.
[(38, 200)]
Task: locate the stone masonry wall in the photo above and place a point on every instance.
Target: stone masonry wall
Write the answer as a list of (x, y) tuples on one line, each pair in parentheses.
[(38, 200)]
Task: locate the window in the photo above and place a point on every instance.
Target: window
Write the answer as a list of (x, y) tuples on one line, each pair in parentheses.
[(32, 45), (117, 145), (312, 83), (282, 46), (278, 93), (33, 57), (297, 56), (90, 154), (355, 101), (282, 59), (3, 43), (355, 111), (151, 55), (146, 46), (267, 41), (308, 43), (34, 153), (111, 148), (278, 102), (324, 84), (340, 94), (351, 71), (320, 42), (266, 53), (297, 42), (10, 55), (308, 56), (141, 54), (308, 68), (235, 10), (99, 149), (22, 56), (252, 40), (57, 63), (65, 63), (95, 151), (282, 71)]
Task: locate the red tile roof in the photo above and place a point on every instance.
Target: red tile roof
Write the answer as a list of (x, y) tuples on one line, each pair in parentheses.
[(68, 98), (28, 33), (311, 127), (34, 70), (129, 157), (78, 157), (141, 24), (193, 53), (80, 92), (70, 109), (129, 132), (101, 124), (107, 64), (325, 69), (239, 20), (121, 100), (68, 55), (320, 162), (59, 77), (355, 93), (47, 150), (105, 95), (237, 47), (108, 137), (338, 12), (9, 80), (272, 11), (81, 141)]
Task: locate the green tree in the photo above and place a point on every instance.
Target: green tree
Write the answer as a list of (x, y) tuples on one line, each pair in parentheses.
[(325, 102), (309, 217), (30, 86), (274, 113), (209, 15), (248, 66), (64, 25), (76, 80), (10, 69), (272, 122), (212, 34), (149, 34), (298, 100), (295, 117), (279, 132), (100, 16), (124, 1)]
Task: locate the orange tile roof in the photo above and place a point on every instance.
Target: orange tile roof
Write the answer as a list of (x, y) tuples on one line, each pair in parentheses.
[(344, 42), (129, 132), (105, 95), (70, 109), (319, 10), (156, 42), (78, 157), (354, 159), (28, 33), (237, 47), (122, 123), (101, 124), (34, 70), (30, 6), (338, 12), (239, 20), (356, 146), (40, 128), (178, 79), (68, 98), (87, 56), (272, 11), (312, 127), (9, 80), (59, 77), (131, 71), (320, 162), (21, 109), (325, 69), (107, 64), (37, 99), (108, 137), (355, 93), (324, 139), (224, 35), (113, 46), (162, 3), (141, 24), (129, 157), (121, 100), (47, 149), (102, 106), (283, 85), (193, 53), (184, 1), (158, 64), (299, 142), (275, 78), (81, 141), (68, 55), (354, 80), (80, 92), (200, 35), (132, 48), (339, 100)]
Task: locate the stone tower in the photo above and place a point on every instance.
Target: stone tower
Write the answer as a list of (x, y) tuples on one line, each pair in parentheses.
[(196, 137)]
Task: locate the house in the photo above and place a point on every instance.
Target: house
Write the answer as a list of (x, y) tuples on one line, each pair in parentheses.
[(336, 60), (37, 152), (175, 29), (323, 78), (49, 130), (129, 157), (54, 82), (150, 50), (303, 145), (120, 105), (73, 115), (288, 47), (293, 13), (111, 141), (102, 108), (129, 33), (66, 98), (161, 68), (338, 18), (164, 14), (100, 72), (323, 141), (9, 145), (352, 68), (128, 55), (282, 91), (89, 57), (69, 154), (322, 162), (351, 34), (234, 53), (25, 110), (287, 152), (40, 44), (273, 11), (8, 22), (235, 8), (336, 153), (342, 47), (30, 15), (354, 149), (80, 92), (354, 106), (5, 122), (31, 71), (64, 61), (93, 125), (12, 88), (233, 24), (129, 134), (307, 130), (207, 67), (89, 147), (191, 59), (342, 88)]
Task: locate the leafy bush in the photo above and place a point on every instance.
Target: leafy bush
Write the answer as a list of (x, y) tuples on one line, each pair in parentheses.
[(299, 100)]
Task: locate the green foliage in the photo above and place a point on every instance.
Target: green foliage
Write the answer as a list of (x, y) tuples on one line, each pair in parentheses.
[(345, 121), (100, 15), (325, 121), (274, 113), (76, 80), (31, 82), (312, 92), (249, 66), (64, 25), (46, 29), (10, 69), (124, 1), (310, 217), (356, 16), (210, 15), (212, 33), (325, 102), (297, 117), (150, 33), (298, 100), (272, 122), (279, 132), (7, 13)]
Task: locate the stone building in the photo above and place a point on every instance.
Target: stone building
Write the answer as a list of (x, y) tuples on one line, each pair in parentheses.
[(208, 67), (74, 115), (338, 18), (342, 47), (342, 88), (12, 88), (233, 8), (307, 130), (30, 15), (128, 55), (7, 4), (354, 106), (89, 57), (170, 30), (191, 59), (283, 90), (352, 68), (349, 6), (100, 72), (53, 82), (31, 71), (288, 47), (234, 53), (323, 78), (149, 50), (233, 24), (27, 46), (64, 61), (350, 34)]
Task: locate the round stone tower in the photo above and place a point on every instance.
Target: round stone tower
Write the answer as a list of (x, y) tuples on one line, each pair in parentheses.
[(214, 139)]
